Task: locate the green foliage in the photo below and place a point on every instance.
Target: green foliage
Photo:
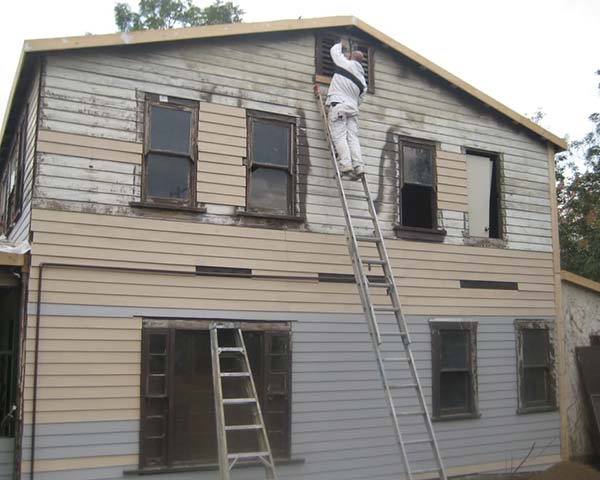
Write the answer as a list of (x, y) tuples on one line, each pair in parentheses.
[(162, 14), (578, 193)]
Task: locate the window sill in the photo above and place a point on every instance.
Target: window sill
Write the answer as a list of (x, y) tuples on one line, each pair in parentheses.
[(270, 216), (458, 416), (484, 242), (167, 206), (421, 234), (209, 467), (540, 409)]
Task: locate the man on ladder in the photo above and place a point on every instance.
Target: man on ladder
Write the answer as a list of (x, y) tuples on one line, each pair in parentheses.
[(345, 94)]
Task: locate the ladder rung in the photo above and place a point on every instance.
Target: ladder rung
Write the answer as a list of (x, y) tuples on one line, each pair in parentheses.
[(417, 442), (411, 413), (241, 455), (405, 385), (425, 470), (373, 261), (231, 350), (361, 217), (235, 374), (356, 197), (365, 238), (396, 359), (386, 309), (238, 401), (380, 284), (243, 427)]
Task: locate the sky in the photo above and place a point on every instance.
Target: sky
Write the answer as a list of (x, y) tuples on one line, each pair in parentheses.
[(527, 54)]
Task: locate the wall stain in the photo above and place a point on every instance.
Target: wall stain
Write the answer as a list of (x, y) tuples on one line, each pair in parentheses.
[(303, 163), (388, 168)]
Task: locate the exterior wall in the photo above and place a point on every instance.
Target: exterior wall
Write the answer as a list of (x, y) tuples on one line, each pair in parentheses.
[(89, 170), (581, 308)]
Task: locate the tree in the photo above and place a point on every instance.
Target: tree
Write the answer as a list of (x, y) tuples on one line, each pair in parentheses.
[(578, 194), (163, 14)]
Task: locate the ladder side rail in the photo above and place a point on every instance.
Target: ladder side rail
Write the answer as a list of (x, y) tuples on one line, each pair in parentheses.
[(219, 407), (357, 266), (257, 413), (423, 403), (387, 266)]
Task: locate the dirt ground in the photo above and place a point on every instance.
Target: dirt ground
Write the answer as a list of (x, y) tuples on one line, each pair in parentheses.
[(560, 471)]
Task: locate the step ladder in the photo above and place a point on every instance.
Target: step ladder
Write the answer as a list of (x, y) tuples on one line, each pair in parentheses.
[(383, 339), (249, 401)]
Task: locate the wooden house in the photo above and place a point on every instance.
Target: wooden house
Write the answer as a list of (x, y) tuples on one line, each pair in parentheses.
[(133, 176)]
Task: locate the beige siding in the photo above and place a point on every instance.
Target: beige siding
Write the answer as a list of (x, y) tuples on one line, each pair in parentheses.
[(428, 275)]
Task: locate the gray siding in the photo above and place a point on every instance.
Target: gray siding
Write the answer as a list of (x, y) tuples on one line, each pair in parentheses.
[(99, 93), (340, 423), (6, 458)]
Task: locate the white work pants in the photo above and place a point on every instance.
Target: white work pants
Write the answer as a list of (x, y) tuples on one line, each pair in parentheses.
[(343, 123)]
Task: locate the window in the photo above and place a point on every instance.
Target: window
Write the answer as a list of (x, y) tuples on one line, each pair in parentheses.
[(454, 367), (483, 190), (270, 186), (417, 185), (170, 151), (11, 191), (178, 418), (536, 382), (325, 66)]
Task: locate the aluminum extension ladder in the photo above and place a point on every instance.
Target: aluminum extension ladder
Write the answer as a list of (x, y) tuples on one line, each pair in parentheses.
[(371, 311), (250, 401)]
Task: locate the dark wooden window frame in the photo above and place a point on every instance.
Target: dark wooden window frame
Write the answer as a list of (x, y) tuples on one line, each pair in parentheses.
[(472, 410), (496, 188), (13, 204), (168, 327), (323, 71), (174, 104), (550, 404), (434, 234), (291, 169)]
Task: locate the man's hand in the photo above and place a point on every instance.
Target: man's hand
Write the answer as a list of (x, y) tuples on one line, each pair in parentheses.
[(345, 44)]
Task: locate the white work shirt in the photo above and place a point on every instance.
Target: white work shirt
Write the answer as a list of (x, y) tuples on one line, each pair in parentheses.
[(342, 89)]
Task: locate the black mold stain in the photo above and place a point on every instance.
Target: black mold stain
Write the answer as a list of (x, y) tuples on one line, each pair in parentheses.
[(388, 162)]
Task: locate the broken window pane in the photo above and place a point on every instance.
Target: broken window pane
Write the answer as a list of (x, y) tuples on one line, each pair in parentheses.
[(417, 165), (270, 143), (535, 344), (268, 190), (455, 349), (170, 129), (168, 176)]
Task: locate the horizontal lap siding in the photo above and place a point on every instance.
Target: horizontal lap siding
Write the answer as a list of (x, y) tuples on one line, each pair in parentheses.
[(98, 94), (428, 275), (6, 458)]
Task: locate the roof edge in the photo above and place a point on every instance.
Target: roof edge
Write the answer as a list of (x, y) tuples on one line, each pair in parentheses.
[(580, 281), (224, 30)]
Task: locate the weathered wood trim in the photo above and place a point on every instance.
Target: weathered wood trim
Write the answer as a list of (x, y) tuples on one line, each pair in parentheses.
[(580, 281), (560, 327)]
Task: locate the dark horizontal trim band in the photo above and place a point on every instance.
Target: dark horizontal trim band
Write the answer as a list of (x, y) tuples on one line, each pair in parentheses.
[(223, 271), (489, 284), (347, 278)]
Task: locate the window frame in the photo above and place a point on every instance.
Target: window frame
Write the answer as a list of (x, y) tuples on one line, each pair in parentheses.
[(472, 409), (291, 169), (550, 404), (169, 328), (495, 192), (433, 234), (321, 73), (179, 104)]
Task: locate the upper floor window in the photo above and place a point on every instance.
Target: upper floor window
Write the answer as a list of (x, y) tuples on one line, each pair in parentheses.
[(12, 186), (535, 360), (454, 369), (170, 151), (483, 190), (417, 185), (270, 183), (325, 66)]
